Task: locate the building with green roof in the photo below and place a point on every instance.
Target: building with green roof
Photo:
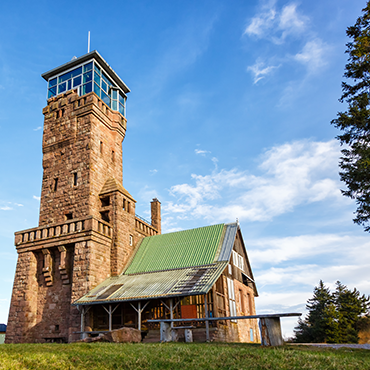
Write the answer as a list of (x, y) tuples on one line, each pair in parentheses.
[(180, 271)]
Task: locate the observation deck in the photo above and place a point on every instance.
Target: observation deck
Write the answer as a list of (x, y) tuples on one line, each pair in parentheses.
[(85, 74)]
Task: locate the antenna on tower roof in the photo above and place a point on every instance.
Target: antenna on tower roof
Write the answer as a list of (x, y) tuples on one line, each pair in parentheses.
[(88, 42)]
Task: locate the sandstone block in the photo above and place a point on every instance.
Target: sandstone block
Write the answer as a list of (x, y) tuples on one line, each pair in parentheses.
[(124, 335)]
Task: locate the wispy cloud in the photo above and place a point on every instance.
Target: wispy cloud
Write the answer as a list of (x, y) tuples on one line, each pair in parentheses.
[(313, 55), (37, 198), (296, 173), (290, 22), (6, 208), (275, 24), (287, 268), (260, 71), (9, 206), (37, 129), (274, 251), (153, 172), (201, 152), (261, 23)]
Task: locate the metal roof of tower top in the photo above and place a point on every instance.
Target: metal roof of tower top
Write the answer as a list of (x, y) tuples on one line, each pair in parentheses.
[(84, 58)]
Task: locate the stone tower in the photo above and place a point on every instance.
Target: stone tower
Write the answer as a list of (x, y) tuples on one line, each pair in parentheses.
[(87, 227)]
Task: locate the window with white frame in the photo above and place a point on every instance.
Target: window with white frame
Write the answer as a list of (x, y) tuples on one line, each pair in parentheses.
[(231, 291), (238, 260)]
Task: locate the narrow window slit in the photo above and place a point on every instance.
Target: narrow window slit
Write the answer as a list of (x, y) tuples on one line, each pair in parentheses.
[(55, 187)]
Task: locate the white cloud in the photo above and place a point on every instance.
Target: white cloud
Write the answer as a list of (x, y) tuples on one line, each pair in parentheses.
[(35, 197), (37, 129), (276, 25), (290, 21), (277, 250), (296, 173), (201, 152), (261, 22), (299, 281), (309, 275), (287, 289), (153, 172), (313, 55), (259, 71), (6, 208)]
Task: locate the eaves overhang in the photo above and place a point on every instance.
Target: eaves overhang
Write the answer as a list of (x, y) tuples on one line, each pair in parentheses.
[(182, 282)]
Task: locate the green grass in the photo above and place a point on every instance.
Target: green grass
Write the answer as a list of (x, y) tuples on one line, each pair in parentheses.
[(91, 356)]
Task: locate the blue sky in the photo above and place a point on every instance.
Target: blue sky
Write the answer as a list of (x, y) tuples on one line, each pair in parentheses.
[(228, 118)]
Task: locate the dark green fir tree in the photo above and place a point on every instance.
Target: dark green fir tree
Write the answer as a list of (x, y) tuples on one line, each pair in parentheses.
[(351, 306), (355, 121), (333, 318), (320, 325)]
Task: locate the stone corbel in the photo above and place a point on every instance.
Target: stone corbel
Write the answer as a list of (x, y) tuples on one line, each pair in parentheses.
[(62, 267), (48, 267)]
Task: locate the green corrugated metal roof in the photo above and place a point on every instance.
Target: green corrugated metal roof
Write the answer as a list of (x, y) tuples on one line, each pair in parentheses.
[(159, 284), (188, 248)]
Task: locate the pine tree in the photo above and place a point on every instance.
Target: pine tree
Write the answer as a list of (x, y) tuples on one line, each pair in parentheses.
[(355, 122), (333, 318), (350, 307), (321, 323)]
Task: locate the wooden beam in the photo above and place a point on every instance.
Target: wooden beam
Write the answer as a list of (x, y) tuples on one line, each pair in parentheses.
[(229, 317)]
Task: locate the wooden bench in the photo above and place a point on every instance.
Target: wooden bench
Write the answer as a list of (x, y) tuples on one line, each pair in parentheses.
[(269, 325)]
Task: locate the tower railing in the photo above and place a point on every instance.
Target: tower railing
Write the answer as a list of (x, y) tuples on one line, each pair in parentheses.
[(69, 227), (144, 227)]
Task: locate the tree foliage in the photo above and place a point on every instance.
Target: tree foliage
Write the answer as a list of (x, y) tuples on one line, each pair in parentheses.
[(333, 317), (355, 122)]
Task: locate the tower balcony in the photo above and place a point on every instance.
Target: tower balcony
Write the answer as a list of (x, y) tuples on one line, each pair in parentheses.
[(70, 231)]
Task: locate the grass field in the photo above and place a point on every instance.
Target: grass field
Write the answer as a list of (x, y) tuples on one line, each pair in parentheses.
[(91, 356)]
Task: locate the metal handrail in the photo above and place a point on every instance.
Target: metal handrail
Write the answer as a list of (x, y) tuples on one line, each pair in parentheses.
[(143, 219)]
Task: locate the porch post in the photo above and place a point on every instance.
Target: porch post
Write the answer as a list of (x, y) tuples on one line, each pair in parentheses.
[(139, 314), (110, 317), (171, 311), (206, 315), (83, 335)]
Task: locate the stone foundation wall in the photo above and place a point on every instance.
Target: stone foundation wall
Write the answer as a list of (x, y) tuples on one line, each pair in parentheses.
[(23, 306)]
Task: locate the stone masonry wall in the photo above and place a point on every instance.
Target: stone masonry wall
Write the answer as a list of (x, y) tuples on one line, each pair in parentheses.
[(65, 155), (53, 300), (91, 266), (23, 306), (82, 146)]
